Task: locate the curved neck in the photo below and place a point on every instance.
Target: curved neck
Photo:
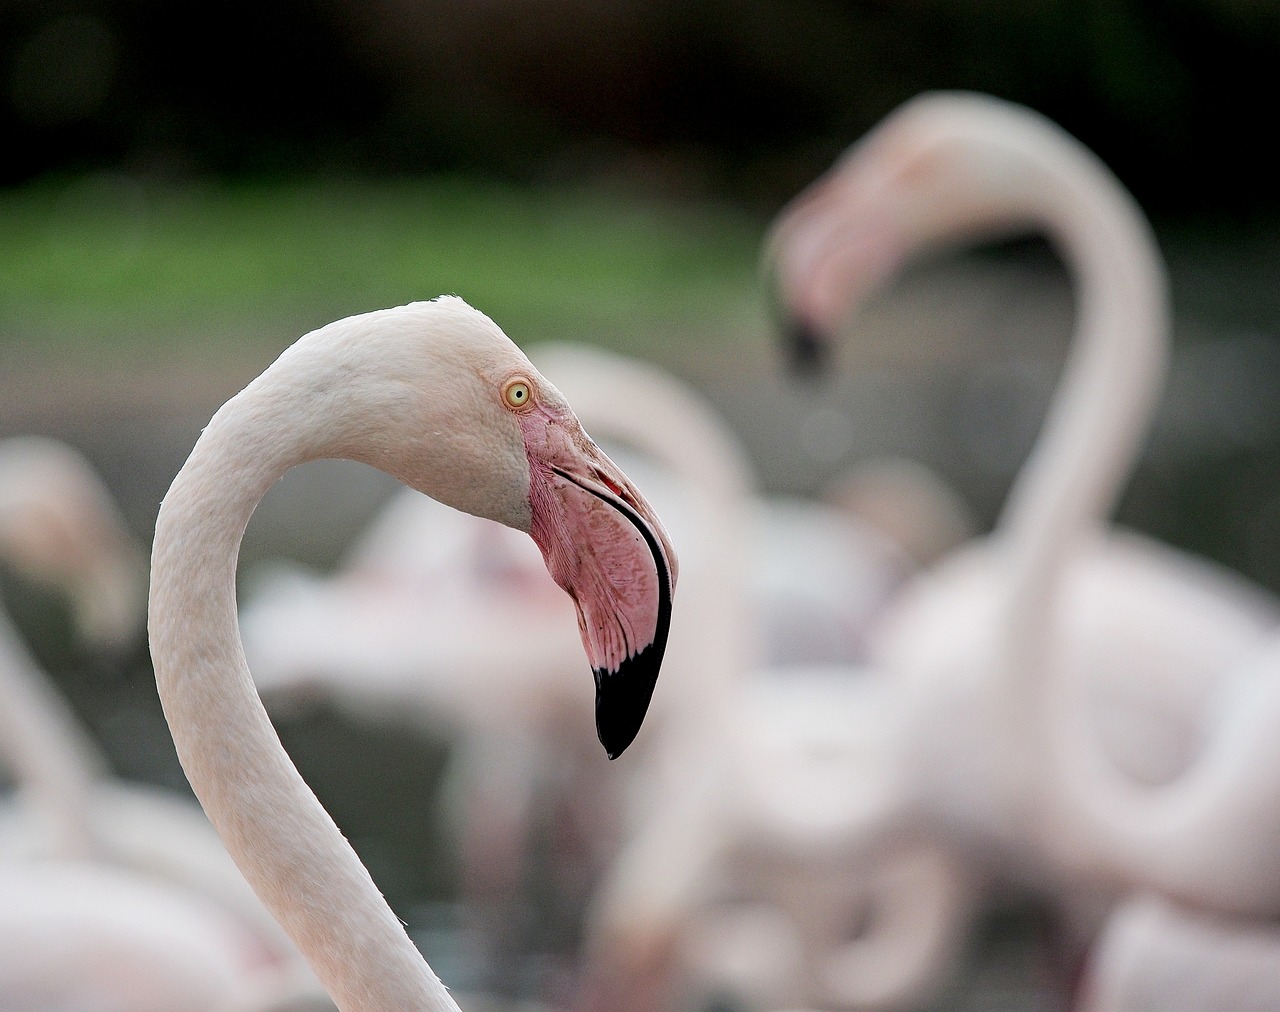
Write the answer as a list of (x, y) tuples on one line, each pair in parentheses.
[(1173, 836), (1098, 417), (54, 762), (1208, 836), (1113, 375), (271, 823)]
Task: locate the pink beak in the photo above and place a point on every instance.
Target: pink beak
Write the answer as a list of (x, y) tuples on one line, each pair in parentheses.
[(603, 543)]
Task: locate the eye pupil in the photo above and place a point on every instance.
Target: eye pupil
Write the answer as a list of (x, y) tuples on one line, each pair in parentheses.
[(517, 393)]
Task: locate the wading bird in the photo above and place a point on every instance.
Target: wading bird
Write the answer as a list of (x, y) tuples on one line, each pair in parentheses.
[(104, 885), (436, 395), (1051, 601)]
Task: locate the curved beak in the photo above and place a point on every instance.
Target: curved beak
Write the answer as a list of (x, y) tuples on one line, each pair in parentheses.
[(603, 543), (805, 348), (829, 248), (807, 351)]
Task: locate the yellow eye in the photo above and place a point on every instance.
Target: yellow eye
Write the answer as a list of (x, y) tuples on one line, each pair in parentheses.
[(517, 393)]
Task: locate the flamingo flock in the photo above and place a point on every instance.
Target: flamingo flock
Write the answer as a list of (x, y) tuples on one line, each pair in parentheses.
[(116, 895), (837, 735)]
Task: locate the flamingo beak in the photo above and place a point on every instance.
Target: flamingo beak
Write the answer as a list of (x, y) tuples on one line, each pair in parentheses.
[(806, 351), (603, 543), (804, 347)]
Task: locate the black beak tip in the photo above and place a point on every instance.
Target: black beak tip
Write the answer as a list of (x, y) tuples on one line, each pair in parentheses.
[(622, 699), (807, 354)]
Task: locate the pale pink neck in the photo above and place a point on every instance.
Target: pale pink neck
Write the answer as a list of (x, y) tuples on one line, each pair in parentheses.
[(1099, 415), (1114, 373), (1171, 836), (54, 763), (279, 834)]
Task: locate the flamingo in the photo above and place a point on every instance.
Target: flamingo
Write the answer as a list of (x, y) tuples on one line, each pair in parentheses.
[(74, 842), (805, 587), (357, 638), (1157, 954), (973, 636), (956, 663), (60, 526), (76, 935), (782, 871), (436, 395)]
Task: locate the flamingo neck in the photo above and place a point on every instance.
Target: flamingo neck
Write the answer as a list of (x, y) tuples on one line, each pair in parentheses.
[(1098, 417), (271, 823), (54, 763), (1113, 375), (1206, 837), (1170, 836)]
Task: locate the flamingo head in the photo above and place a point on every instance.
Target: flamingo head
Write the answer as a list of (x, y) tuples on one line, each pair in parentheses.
[(603, 543), (943, 166), (60, 526), (496, 439)]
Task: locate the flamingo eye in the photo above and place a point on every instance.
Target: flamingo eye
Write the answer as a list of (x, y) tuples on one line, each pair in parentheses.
[(517, 393)]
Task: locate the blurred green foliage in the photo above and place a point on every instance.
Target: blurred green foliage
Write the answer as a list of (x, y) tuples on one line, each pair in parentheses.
[(109, 258)]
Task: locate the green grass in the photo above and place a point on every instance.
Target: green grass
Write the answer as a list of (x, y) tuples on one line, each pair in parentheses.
[(163, 266)]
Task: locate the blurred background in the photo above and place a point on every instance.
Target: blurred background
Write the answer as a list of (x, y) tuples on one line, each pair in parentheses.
[(188, 188)]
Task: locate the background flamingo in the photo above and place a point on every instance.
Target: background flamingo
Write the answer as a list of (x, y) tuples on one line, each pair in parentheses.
[(74, 842), (1155, 953), (60, 526), (783, 871), (76, 935), (948, 166), (959, 650), (1156, 638)]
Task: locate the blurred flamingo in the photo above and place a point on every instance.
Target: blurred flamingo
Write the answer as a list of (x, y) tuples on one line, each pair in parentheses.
[(1143, 632), (60, 526), (1157, 954), (1152, 707), (782, 871), (75, 839), (77, 935)]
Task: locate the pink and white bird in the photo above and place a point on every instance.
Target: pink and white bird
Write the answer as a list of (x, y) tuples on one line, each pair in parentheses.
[(105, 885), (81, 935), (760, 577), (958, 663), (1157, 954), (1051, 597), (498, 678), (60, 526), (436, 395), (781, 871)]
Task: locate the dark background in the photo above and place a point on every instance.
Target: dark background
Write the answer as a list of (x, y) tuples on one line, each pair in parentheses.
[(745, 101)]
